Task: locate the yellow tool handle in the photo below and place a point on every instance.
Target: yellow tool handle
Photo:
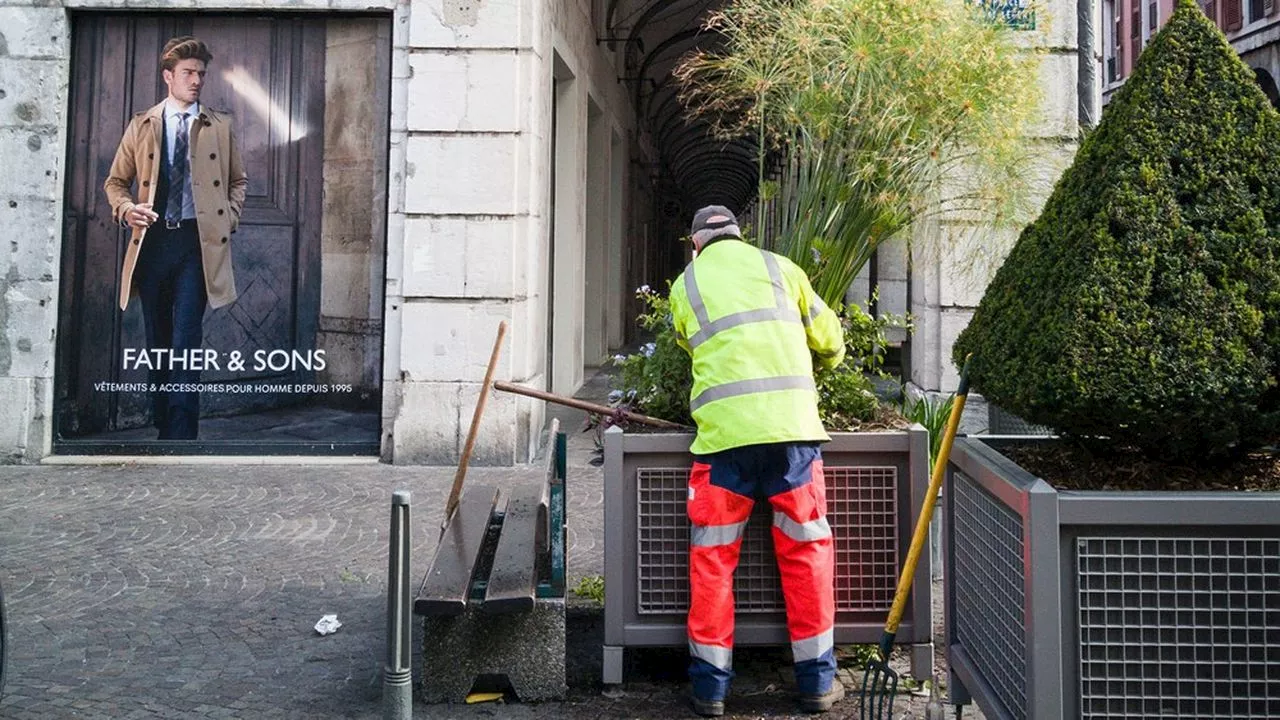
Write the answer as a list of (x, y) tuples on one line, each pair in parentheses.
[(930, 499)]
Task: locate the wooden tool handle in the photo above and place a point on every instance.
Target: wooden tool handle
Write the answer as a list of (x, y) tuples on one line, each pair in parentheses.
[(475, 427), (588, 406)]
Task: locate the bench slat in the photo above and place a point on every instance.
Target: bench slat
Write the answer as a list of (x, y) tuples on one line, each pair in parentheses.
[(513, 582), (448, 582)]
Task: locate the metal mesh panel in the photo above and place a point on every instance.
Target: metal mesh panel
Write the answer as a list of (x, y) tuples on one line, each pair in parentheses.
[(662, 570), (1002, 422), (862, 507), (1179, 627), (989, 583)]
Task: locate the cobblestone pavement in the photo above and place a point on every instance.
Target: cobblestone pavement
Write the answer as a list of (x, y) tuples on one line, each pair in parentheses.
[(191, 591)]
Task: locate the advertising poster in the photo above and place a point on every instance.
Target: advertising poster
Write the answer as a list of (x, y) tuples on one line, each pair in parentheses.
[(224, 239)]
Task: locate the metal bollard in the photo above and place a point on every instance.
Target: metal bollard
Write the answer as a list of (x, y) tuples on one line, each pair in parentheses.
[(397, 677)]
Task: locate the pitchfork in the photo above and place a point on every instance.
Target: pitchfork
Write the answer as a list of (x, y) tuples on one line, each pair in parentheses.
[(880, 684)]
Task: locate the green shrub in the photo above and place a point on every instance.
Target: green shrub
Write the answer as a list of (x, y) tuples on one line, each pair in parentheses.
[(656, 380), (1142, 307)]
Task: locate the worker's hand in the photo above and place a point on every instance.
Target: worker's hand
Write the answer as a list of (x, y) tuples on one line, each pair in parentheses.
[(140, 215)]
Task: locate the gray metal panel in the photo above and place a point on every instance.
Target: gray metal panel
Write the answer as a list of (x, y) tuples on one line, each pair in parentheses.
[(655, 442), (1127, 646), (1044, 609), (1179, 627), (958, 692), (964, 669), (1165, 508), (921, 610), (994, 472), (662, 540), (989, 583), (619, 591)]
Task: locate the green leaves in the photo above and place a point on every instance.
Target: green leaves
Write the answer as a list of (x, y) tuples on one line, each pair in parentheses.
[(656, 381), (1142, 306)]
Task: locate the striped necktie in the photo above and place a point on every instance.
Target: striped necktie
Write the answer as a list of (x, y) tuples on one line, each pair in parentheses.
[(177, 174)]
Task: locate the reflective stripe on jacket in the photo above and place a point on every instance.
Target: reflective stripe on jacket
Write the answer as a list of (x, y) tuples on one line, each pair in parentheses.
[(749, 318)]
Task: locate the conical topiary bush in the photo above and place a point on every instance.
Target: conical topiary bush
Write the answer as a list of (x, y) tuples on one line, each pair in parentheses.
[(1143, 305)]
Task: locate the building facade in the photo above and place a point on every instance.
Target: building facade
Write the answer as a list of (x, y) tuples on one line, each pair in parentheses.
[(1252, 27), (419, 171)]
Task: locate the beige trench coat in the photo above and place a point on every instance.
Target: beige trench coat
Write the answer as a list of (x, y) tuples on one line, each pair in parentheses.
[(218, 183)]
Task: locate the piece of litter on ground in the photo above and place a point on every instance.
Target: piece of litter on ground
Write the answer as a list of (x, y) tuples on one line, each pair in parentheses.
[(614, 693), (479, 697), (328, 624)]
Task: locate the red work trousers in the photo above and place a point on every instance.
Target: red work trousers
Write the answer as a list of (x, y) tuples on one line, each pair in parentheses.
[(721, 491)]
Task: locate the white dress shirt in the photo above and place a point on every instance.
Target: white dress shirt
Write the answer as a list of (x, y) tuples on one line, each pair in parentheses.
[(171, 114)]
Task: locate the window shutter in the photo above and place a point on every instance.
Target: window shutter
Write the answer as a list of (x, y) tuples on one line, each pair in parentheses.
[(1268, 7), (1135, 21), (1152, 14), (1231, 14), (1211, 9)]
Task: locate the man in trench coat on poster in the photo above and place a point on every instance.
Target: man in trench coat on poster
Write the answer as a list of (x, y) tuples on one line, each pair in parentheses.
[(190, 191)]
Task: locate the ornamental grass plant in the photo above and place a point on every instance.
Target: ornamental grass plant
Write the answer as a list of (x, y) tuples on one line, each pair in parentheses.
[(868, 115)]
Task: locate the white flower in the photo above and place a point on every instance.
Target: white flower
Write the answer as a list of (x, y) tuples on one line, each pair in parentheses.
[(615, 396), (643, 290), (619, 359), (647, 349)]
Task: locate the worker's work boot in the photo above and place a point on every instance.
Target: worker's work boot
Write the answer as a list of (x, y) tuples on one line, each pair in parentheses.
[(822, 703), (706, 708)]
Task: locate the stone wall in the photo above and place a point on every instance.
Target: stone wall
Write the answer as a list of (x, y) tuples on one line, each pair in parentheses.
[(951, 265), (478, 155), (34, 47)]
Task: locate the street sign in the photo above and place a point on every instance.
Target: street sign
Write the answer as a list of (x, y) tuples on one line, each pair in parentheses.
[(1014, 13)]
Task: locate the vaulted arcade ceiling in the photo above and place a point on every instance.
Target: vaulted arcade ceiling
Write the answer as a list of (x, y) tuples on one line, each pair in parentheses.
[(651, 37)]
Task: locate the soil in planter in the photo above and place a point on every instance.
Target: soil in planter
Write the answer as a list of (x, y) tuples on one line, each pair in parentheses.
[(1072, 467)]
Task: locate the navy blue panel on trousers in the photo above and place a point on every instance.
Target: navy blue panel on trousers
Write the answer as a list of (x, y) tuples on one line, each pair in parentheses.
[(762, 471)]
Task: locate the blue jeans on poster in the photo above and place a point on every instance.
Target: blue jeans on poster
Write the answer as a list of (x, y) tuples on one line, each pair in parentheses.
[(170, 279)]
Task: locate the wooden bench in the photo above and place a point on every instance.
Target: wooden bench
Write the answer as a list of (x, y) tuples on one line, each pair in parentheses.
[(501, 553)]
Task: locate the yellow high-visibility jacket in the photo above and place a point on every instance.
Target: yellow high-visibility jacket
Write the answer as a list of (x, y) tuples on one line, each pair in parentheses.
[(749, 318)]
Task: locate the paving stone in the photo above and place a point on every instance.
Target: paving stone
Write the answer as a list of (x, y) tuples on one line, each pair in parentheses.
[(144, 591)]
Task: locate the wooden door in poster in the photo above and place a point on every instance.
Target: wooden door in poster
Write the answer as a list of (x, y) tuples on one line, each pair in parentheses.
[(267, 73)]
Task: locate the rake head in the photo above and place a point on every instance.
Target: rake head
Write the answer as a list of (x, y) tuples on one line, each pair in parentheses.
[(879, 687)]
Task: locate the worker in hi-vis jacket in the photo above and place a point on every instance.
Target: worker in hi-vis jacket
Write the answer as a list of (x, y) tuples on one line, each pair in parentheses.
[(750, 320)]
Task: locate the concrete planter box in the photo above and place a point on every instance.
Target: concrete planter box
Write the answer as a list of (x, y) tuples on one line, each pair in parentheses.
[(1071, 604), (875, 482)]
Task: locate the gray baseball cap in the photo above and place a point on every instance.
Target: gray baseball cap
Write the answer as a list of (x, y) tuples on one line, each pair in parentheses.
[(713, 217)]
